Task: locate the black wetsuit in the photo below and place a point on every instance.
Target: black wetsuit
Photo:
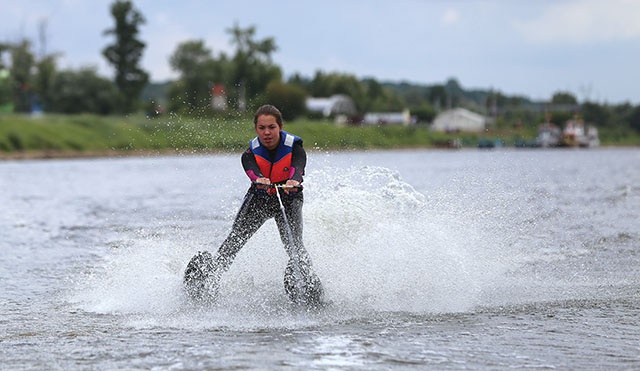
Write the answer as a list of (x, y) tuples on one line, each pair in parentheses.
[(259, 206)]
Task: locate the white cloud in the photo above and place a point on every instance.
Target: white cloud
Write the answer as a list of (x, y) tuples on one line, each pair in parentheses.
[(584, 22), (450, 16)]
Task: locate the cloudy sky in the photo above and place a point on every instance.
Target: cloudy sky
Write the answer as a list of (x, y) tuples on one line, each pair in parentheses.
[(590, 48)]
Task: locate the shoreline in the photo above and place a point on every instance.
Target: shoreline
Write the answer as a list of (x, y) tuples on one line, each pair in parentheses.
[(62, 154)]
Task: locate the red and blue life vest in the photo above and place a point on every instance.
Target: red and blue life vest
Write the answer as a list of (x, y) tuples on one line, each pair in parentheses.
[(280, 169)]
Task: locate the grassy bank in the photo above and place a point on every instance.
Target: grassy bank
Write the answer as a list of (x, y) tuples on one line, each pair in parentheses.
[(99, 134), (63, 135)]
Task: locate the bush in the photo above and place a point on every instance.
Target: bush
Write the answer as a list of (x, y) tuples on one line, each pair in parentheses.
[(290, 99)]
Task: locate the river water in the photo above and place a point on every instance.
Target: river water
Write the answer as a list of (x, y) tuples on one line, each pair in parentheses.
[(464, 259)]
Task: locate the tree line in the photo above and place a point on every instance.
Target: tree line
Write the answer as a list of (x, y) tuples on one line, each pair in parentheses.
[(249, 77), (30, 83)]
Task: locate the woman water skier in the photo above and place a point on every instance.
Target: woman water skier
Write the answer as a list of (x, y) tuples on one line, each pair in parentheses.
[(274, 162)]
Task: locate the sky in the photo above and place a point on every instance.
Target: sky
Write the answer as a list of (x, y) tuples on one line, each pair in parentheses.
[(589, 48)]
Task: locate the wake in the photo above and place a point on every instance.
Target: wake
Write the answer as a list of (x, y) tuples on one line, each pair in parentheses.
[(377, 244)]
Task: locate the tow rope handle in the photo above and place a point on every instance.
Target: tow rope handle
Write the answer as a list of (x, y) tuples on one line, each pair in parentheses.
[(299, 187)]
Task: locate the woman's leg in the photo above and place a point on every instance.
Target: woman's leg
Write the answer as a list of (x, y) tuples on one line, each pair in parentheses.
[(251, 216), (313, 292)]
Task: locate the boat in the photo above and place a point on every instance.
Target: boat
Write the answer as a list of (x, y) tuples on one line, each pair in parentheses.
[(575, 134), (548, 135)]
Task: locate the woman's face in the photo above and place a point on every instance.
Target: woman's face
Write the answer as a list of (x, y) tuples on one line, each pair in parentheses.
[(268, 131)]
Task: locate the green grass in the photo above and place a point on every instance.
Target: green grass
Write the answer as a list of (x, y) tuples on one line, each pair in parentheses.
[(92, 133), (99, 133)]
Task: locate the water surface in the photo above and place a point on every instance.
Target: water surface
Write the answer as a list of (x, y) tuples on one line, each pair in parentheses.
[(430, 259)]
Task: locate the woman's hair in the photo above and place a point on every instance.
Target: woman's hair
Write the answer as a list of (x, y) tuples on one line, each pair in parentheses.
[(270, 110)]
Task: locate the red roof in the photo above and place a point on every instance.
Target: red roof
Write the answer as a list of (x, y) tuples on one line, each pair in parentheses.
[(218, 90)]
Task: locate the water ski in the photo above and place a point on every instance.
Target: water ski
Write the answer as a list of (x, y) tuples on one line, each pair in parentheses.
[(200, 279), (312, 295), (201, 283)]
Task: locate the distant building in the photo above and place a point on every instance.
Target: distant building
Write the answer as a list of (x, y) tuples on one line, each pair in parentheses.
[(218, 98), (329, 107), (459, 119), (388, 118)]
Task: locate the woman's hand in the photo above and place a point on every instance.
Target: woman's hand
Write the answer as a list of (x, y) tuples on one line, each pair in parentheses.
[(263, 183), (291, 186)]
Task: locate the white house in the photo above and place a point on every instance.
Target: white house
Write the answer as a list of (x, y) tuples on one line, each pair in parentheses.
[(459, 119), (335, 105)]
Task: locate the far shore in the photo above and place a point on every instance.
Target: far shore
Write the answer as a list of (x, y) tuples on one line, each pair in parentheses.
[(67, 154), (92, 136)]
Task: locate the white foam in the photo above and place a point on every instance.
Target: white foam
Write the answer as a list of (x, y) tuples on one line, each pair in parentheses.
[(377, 245)]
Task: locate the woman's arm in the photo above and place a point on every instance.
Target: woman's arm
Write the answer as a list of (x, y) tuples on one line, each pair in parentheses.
[(250, 165), (298, 162)]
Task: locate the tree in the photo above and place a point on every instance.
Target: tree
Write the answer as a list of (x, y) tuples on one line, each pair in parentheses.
[(438, 96), (634, 119), (289, 98), (381, 99), (563, 98), (82, 91), (594, 113), (189, 60), (368, 95), (425, 113), (328, 84), (199, 71), (253, 68), (560, 117), (125, 54), (43, 79), (5, 83), (22, 62), (245, 75)]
